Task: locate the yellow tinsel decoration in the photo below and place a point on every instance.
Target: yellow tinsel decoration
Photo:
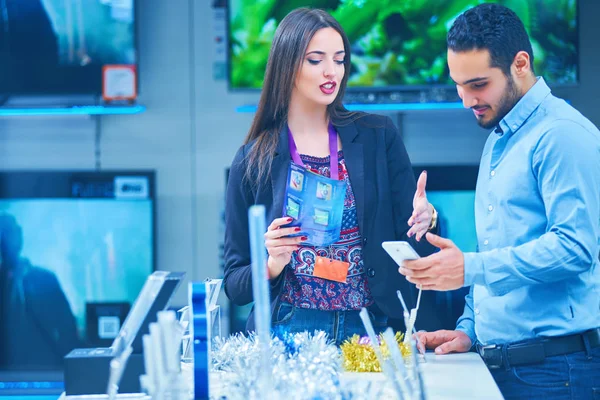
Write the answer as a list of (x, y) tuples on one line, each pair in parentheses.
[(360, 357)]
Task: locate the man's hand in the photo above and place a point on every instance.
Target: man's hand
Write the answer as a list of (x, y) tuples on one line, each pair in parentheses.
[(444, 270), (444, 342), (420, 219)]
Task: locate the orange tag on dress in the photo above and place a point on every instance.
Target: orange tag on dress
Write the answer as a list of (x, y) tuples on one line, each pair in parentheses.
[(332, 270)]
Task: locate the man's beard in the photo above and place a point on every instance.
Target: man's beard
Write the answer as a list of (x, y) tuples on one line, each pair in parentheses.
[(510, 97)]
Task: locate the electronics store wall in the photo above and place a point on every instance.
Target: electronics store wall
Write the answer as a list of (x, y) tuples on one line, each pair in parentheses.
[(191, 131)]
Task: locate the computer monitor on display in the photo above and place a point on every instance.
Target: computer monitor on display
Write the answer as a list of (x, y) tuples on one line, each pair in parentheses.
[(76, 248)]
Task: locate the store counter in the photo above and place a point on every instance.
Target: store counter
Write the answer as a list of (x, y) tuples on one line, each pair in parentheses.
[(453, 376)]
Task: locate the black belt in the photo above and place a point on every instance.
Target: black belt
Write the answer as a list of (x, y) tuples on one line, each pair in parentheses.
[(535, 351)]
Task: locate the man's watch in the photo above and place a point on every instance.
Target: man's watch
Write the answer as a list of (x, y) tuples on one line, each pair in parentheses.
[(434, 218)]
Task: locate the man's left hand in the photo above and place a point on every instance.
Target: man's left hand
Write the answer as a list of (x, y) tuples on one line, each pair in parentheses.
[(444, 270)]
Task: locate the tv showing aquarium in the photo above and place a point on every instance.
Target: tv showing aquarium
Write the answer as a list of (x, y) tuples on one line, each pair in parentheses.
[(400, 45)]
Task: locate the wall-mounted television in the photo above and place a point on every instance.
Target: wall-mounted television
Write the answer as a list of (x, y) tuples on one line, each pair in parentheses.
[(70, 242), (59, 47), (400, 45)]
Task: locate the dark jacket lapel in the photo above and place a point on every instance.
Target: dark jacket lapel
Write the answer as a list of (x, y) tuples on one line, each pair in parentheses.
[(279, 172)]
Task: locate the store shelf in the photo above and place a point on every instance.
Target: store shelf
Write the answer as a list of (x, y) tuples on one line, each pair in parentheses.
[(75, 110)]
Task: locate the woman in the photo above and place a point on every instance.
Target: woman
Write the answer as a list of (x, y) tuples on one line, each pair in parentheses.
[(300, 109)]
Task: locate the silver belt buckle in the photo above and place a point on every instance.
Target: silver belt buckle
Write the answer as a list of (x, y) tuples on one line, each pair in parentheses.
[(489, 360)]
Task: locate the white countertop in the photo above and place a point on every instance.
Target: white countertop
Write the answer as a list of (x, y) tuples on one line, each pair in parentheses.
[(459, 376), (452, 376)]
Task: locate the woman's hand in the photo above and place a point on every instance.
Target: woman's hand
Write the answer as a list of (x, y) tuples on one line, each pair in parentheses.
[(280, 247), (422, 210)]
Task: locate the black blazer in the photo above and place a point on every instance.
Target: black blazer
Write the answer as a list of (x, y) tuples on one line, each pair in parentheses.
[(384, 185)]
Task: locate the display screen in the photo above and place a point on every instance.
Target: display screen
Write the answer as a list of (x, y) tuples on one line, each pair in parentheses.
[(451, 190), (70, 243), (400, 44), (57, 46), (456, 214)]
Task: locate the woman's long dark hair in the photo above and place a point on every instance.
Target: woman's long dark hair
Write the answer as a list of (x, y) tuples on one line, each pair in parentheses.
[(291, 40)]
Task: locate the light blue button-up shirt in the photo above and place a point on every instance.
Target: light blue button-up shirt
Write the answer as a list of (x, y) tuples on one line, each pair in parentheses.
[(537, 213)]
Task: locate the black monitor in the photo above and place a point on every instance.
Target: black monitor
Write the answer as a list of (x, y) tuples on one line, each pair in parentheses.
[(61, 47), (70, 241), (451, 190)]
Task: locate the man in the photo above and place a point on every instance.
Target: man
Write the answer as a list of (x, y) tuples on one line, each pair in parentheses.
[(37, 326), (533, 311)]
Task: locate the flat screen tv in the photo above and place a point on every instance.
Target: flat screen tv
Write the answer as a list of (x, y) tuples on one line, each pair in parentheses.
[(76, 248), (399, 45), (59, 47)]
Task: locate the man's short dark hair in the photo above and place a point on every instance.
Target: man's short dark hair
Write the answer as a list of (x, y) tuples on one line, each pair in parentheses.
[(491, 27)]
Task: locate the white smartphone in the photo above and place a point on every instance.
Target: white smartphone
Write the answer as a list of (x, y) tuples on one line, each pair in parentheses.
[(400, 251)]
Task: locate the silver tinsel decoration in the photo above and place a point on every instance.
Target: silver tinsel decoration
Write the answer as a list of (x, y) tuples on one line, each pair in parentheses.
[(304, 366)]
